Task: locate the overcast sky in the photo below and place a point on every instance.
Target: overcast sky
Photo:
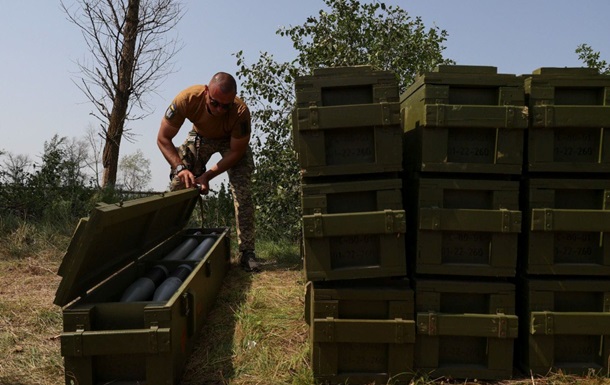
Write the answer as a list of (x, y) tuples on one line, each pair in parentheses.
[(40, 47)]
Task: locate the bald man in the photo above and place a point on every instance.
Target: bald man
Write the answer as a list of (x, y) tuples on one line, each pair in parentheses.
[(221, 124)]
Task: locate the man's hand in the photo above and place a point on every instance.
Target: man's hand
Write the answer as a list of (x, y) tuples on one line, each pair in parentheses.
[(187, 177), (203, 183)]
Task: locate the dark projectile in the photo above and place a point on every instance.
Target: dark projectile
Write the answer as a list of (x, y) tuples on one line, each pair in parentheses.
[(172, 283), (183, 249), (203, 248), (144, 287)]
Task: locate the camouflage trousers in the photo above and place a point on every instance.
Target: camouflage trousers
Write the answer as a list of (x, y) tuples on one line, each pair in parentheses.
[(195, 152)]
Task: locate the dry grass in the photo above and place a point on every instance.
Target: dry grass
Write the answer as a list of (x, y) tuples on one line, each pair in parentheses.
[(29, 322), (256, 333)]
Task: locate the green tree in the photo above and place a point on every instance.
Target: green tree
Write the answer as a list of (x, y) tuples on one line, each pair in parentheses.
[(218, 209), (592, 59), (52, 189), (347, 33), (16, 168), (134, 171)]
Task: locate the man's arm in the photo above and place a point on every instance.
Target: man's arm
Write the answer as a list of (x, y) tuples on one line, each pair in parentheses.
[(237, 150), (164, 140)]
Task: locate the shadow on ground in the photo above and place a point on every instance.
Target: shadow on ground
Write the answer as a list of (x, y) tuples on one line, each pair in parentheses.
[(211, 360)]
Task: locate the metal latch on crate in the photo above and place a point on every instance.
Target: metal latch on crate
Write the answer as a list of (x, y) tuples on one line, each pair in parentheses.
[(569, 323), (83, 343), (504, 221), (314, 117), (386, 113), (570, 220), (396, 331), (475, 325)]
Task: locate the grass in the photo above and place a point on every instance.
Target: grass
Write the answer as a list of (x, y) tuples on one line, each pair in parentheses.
[(29, 323), (256, 333)]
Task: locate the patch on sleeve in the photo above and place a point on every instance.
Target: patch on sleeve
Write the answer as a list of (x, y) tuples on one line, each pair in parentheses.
[(171, 111), (245, 128)]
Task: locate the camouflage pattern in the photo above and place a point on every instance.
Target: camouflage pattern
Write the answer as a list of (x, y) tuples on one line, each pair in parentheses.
[(195, 152)]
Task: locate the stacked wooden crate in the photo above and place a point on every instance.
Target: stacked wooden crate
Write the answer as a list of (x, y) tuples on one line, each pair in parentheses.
[(463, 156), (565, 287), (495, 259), (347, 133)]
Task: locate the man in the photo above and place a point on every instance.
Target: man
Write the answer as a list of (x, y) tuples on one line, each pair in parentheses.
[(221, 123)]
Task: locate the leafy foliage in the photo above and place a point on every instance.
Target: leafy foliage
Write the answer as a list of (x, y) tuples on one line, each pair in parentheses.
[(592, 59), (134, 171), (59, 188), (354, 33), (218, 209), (53, 190), (348, 33)]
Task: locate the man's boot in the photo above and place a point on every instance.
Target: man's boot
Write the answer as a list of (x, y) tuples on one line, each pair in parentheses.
[(248, 261)]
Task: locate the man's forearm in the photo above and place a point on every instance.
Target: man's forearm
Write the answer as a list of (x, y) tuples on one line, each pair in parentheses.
[(169, 152), (223, 164)]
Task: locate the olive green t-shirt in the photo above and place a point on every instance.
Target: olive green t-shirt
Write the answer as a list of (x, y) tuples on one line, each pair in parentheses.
[(191, 104)]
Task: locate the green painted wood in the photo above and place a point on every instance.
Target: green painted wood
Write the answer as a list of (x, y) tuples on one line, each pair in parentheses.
[(356, 195), (502, 221), (332, 225), (569, 323), (104, 340), (346, 85), (566, 229), (569, 115), (472, 325), (93, 343), (115, 235), (466, 328), (570, 220), (362, 351), (463, 227), (551, 116), (354, 245), (564, 325), (361, 299), (491, 117), (336, 117)]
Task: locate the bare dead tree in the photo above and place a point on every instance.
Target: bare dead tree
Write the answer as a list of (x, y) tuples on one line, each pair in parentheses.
[(130, 57), (16, 168)]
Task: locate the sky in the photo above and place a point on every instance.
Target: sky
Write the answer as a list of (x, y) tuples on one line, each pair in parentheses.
[(40, 48)]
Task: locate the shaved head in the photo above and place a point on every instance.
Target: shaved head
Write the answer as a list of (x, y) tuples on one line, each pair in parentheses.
[(225, 82)]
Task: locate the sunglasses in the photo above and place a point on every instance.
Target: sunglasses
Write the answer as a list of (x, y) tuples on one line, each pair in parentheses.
[(216, 103)]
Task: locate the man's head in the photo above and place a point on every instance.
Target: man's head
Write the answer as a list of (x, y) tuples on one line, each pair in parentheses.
[(221, 93)]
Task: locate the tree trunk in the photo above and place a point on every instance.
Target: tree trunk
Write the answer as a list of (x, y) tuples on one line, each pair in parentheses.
[(118, 114)]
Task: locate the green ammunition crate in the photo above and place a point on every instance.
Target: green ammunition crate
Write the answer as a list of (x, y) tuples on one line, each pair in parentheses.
[(105, 340), (464, 119), (569, 120), (465, 329), (346, 85), (347, 140), (463, 227), (361, 331), (567, 228), (466, 85), (354, 245), (565, 325), (469, 80), (351, 196)]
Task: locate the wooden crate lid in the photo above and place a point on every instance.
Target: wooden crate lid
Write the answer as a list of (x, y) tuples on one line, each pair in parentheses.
[(115, 235)]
